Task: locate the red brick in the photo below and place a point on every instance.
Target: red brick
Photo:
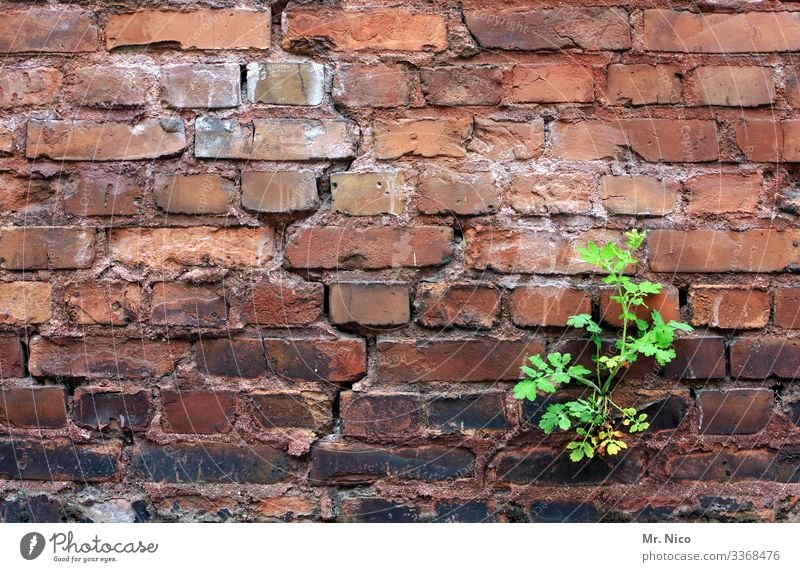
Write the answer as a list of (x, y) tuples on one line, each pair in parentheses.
[(643, 84), (197, 412), (787, 308), (19, 87), (99, 407), (6, 139), (375, 415), (551, 83), (760, 139), (453, 360), (443, 305), (421, 137), (34, 407), (279, 191), (673, 31), (59, 460), (47, 30), (196, 29), (550, 29), (729, 307), (507, 140), (291, 410), (745, 86), (697, 358), (376, 247), (24, 194), (46, 248), (395, 29), (539, 194), (462, 85), (179, 304), (287, 508), (519, 250), (105, 303), (765, 356), (77, 140), (724, 193), (109, 86), (280, 83), (282, 304), (735, 411), (371, 85), (666, 302), (207, 86), (368, 193), (11, 362), (721, 250), (193, 246), (25, 302), (444, 191), (369, 304), (99, 192), (100, 358), (194, 194), (547, 305), (638, 195)]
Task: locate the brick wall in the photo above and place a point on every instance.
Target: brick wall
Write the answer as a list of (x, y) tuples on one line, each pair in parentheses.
[(283, 263)]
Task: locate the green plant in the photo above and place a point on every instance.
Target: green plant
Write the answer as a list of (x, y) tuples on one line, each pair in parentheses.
[(593, 416)]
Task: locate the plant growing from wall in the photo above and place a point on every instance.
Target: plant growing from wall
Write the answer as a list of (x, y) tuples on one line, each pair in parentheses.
[(593, 417)]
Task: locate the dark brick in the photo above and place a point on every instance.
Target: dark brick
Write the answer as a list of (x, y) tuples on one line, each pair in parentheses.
[(532, 411), (97, 407), (583, 350), (650, 513), (370, 415), (231, 358), (197, 412), (735, 411), (38, 508), (563, 511), (762, 357), (453, 414), (210, 463), (697, 358), (34, 407), (463, 511), (305, 410), (377, 510), (58, 460), (666, 414), (794, 411), (356, 463), (546, 466), (724, 466)]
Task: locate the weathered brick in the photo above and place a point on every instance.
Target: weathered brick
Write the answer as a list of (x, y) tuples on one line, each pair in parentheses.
[(724, 193), (78, 140), (443, 305), (537, 194), (760, 139), (287, 508), (194, 194), (666, 302), (518, 250), (355, 463), (421, 137), (279, 191), (721, 250), (467, 412), (724, 466), (6, 138), (179, 304), (47, 30), (563, 511), (729, 307), (542, 465), (368, 193), (369, 248), (735, 411), (58, 460), (638, 195), (453, 360), (369, 304), (697, 358), (396, 29), (105, 303), (446, 191), (109, 86), (765, 356), (375, 415), (197, 412), (787, 308), (285, 83), (292, 410), (11, 363), (193, 246), (330, 360), (99, 407), (206, 86), (643, 84), (34, 407), (378, 510), (371, 85), (97, 358), (24, 194), (282, 304), (210, 462), (25, 302), (275, 139), (19, 87), (99, 192), (46, 248), (32, 508), (551, 83), (468, 511), (547, 305), (737, 86), (551, 29), (462, 85), (674, 31), (507, 140), (195, 29)]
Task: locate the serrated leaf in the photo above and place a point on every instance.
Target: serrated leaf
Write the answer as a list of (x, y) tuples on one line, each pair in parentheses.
[(576, 455), (612, 448), (649, 287), (679, 326), (537, 361), (525, 389), (544, 385)]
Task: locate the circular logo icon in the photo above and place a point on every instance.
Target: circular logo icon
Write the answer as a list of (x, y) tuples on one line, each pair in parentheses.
[(31, 545)]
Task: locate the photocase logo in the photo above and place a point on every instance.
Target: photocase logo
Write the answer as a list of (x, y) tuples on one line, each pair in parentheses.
[(31, 545)]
